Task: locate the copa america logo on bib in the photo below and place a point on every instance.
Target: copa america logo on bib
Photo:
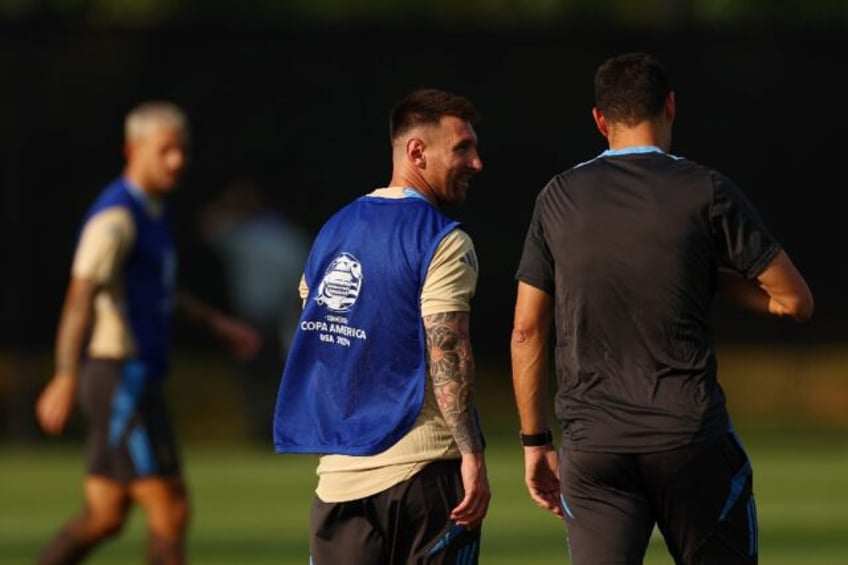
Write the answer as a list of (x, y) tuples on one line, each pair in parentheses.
[(340, 286)]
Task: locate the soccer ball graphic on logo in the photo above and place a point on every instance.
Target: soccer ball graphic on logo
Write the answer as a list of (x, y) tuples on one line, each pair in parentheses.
[(340, 286)]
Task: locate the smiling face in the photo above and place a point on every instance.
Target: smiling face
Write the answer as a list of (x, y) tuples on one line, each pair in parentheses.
[(445, 156)]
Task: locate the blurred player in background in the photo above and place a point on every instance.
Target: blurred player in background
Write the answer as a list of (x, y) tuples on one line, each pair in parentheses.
[(380, 377), (113, 348), (263, 252), (623, 257)]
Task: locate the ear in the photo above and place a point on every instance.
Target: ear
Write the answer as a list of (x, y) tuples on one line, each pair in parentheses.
[(600, 122), (670, 108), (415, 152)]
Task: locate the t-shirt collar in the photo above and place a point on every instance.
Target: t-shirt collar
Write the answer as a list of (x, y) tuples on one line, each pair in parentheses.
[(636, 149)]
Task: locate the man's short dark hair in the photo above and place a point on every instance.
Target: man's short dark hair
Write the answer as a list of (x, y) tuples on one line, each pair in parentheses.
[(427, 106), (631, 88)]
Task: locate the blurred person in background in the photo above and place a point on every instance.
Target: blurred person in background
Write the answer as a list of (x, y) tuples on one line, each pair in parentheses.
[(380, 377), (623, 257), (263, 252), (113, 348)]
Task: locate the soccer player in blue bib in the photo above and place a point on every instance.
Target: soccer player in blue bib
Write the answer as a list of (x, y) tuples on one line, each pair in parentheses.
[(623, 257), (113, 348), (379, 379)]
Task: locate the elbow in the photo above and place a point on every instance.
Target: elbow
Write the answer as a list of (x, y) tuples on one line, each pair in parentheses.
[(517, 338), (523, 334), (525, 338), (803, 309), (800, 308)]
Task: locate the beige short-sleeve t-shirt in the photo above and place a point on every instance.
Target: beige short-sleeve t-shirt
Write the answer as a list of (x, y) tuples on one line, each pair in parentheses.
[(105, 241)]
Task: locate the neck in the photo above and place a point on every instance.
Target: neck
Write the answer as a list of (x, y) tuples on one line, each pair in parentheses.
[(642, 134), (415, 183), (138, 183)]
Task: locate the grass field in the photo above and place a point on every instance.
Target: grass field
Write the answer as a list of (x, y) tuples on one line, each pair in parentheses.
[(251, 506)]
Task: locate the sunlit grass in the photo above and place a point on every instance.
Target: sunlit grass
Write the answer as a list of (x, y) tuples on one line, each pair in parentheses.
[(251, 506)]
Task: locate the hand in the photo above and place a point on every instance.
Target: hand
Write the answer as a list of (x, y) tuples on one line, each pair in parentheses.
[(541, 473), (55, 403), (244, 341), (473, 507)]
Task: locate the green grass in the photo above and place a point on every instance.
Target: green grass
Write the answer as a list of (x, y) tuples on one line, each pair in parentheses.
[(251, 506)]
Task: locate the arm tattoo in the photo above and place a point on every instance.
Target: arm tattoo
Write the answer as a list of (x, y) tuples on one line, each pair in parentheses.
[(452, 370)]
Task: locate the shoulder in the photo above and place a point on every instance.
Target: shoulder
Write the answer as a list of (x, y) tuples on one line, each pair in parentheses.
[(721, 184), (457, 245), (556, 187), (457, 238), (111, 221), (698, 169)]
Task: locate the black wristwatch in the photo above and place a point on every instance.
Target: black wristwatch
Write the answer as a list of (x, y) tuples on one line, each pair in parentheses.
[(536, 440)]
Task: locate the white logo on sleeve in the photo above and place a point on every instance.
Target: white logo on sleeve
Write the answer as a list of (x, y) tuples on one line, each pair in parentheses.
[(341, 284)]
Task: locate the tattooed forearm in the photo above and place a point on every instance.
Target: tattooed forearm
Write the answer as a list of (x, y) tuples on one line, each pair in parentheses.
[(452, 370)]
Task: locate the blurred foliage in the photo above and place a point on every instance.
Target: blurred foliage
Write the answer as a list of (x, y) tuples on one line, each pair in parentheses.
[(494, 14)]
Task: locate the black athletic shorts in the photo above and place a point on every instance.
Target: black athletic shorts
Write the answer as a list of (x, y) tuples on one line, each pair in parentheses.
[(404, 525), (129, 430), (700, 497)]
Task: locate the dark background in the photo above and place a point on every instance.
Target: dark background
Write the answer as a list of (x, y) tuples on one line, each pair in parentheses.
[(301, 107), (295, 94)]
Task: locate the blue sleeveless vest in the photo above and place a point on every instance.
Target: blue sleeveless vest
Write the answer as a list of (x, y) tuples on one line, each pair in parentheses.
[(149, 277), (354, 378)]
